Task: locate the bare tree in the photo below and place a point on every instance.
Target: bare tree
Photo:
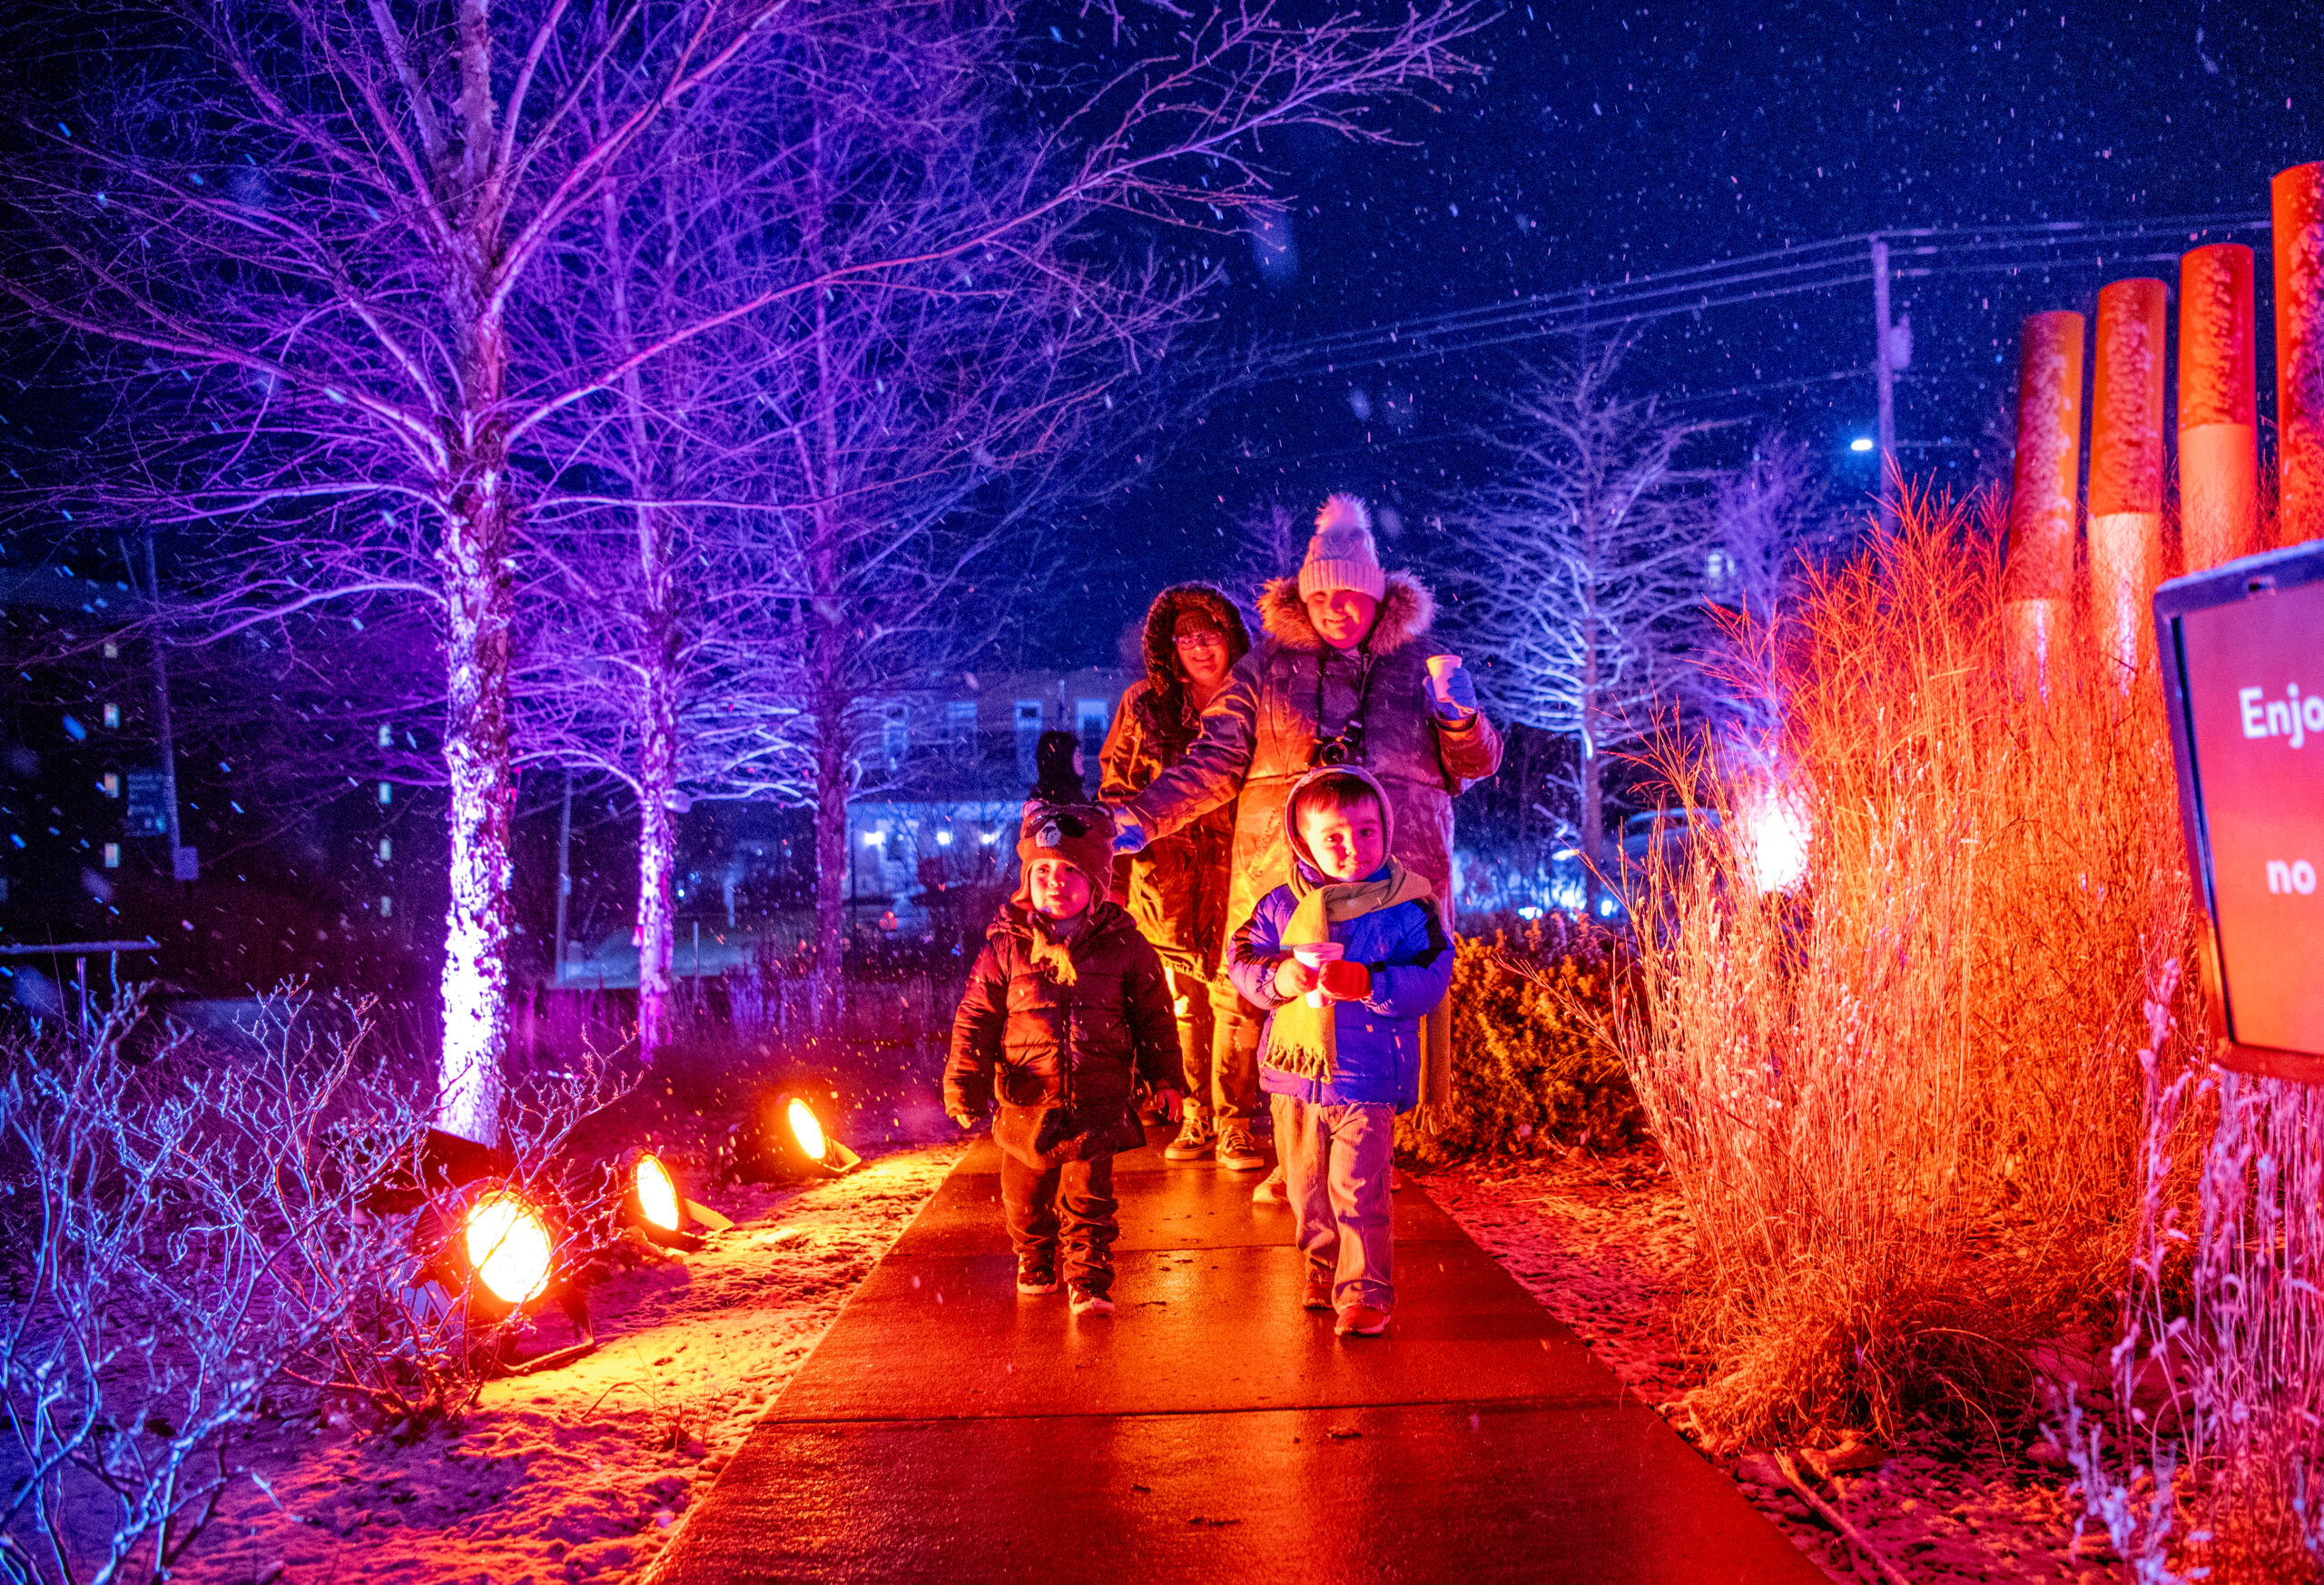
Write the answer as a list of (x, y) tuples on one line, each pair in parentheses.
[(842, 475), (309, 248), (1266, 542), (1585, 568)]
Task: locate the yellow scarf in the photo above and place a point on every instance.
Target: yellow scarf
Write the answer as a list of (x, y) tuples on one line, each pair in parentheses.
[(1303, 1040)]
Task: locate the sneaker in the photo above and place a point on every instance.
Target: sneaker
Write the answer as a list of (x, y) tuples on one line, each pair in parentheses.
[(1319, 1289), (1195, 1136), (1035, 1278), (1235, 1151), (1271, 1191), (1362, 1321), (1090, 1302)]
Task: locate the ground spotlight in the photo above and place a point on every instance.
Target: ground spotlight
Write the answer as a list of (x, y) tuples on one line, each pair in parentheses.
[(791, 1141), (492, 1255), (652, 1205), (508, 1247)]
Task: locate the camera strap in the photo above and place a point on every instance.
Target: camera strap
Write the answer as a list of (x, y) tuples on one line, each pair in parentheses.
[(1363, 659)]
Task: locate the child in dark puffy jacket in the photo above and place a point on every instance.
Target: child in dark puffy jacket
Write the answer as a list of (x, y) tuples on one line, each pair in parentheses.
[(1065, 1010), (1346, 958)]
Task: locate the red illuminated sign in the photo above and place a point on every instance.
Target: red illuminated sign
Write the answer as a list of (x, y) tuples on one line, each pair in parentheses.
[(2247, 689)]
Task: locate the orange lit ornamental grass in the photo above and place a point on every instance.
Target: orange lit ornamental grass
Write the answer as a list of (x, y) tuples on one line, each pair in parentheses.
[(1903, 1098)]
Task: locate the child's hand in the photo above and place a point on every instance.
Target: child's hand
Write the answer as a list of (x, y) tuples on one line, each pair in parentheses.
[(965, 1117), (1346, 981), (1171, 1102), (1294, 978)]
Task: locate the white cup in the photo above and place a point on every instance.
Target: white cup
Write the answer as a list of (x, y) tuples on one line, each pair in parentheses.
[(1314, 955), (1441, 668)]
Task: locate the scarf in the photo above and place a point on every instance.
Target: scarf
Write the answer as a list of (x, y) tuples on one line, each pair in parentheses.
[(1305, 1041)]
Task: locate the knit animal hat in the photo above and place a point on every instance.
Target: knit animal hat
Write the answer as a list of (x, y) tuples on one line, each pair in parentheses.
[(1342, 555), (1082, 834)]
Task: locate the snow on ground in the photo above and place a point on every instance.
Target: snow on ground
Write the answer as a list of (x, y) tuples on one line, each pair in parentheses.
[(1604, 1245), (576, 1473)]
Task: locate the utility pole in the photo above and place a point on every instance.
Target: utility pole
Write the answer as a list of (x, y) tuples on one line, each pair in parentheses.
[(564, 879), (1884, 368)]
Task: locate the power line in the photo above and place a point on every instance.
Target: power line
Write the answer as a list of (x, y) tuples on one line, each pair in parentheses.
[(1784, 272)]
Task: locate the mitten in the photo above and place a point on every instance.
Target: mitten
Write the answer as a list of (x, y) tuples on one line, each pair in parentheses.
[(1459, 698), (1348, 982)]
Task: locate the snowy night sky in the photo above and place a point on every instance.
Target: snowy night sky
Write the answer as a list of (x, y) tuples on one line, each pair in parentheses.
[(1615, 140)]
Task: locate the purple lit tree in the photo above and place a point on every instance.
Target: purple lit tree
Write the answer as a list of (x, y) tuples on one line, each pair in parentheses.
[(316, 255)]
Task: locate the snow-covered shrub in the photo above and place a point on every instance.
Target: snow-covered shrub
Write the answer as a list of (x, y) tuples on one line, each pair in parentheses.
[(1531, 1065), (331, 1134), (2209, 1461), (1902, 1093), (186, 1234), (141, 1320)]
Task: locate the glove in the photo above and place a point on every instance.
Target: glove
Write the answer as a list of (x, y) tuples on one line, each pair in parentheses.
[(1459, 701), (965, 1117), (1346, 981), (1129, 837)]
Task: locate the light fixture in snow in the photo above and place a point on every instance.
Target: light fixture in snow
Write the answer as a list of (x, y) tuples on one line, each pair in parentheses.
[(943, 839), (657, 1192), (507, 1245), (652, 1204), (799, 1117), (1861, 443), (791, 1142)]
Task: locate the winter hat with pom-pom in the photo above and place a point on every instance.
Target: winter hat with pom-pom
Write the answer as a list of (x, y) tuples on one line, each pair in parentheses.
[(1341, 554)]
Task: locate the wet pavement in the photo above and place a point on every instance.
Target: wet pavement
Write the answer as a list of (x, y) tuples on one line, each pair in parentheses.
[(946, 1428)]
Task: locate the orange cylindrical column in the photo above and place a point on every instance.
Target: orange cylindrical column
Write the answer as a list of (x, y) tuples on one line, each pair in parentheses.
[(2037, 583), (2299, 353), (2219, 455), (2126, 469)]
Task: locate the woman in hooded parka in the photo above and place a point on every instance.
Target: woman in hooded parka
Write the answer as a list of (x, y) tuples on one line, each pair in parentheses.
[(1176, 887), (1342, 676)]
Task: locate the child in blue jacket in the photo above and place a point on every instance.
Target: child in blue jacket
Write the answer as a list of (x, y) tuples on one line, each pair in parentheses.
[(1346, 958)]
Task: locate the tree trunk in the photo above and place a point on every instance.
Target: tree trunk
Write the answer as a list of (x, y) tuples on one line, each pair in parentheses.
[(476, 588), (832, 855), (476, 559), (656, 844), (1593, 776)]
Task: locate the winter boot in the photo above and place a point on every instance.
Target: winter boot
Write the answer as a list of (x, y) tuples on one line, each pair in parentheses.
[(1236, 1151), (1319, 1288), (1037, 1274), (1195, 1136)]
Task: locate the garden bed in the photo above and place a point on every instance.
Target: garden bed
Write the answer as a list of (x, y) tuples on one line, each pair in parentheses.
[(1603, 1242), (575, 1474)]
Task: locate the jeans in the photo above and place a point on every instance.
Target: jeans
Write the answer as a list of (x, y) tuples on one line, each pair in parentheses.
[(1218, 1045), (1335, 1161), (1070, 1205)]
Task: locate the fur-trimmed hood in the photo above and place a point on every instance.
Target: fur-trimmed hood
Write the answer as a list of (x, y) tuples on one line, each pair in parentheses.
[(1161, 624), (1406, 612)]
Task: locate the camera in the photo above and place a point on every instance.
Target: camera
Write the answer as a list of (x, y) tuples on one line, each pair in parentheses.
[(1344, 747)]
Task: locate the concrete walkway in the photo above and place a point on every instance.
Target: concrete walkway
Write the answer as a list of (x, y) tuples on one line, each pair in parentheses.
[(1211, 1429)]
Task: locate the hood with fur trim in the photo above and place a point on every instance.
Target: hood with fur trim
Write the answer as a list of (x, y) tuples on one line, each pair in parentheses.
[(1406, 612), (1161, 624)]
